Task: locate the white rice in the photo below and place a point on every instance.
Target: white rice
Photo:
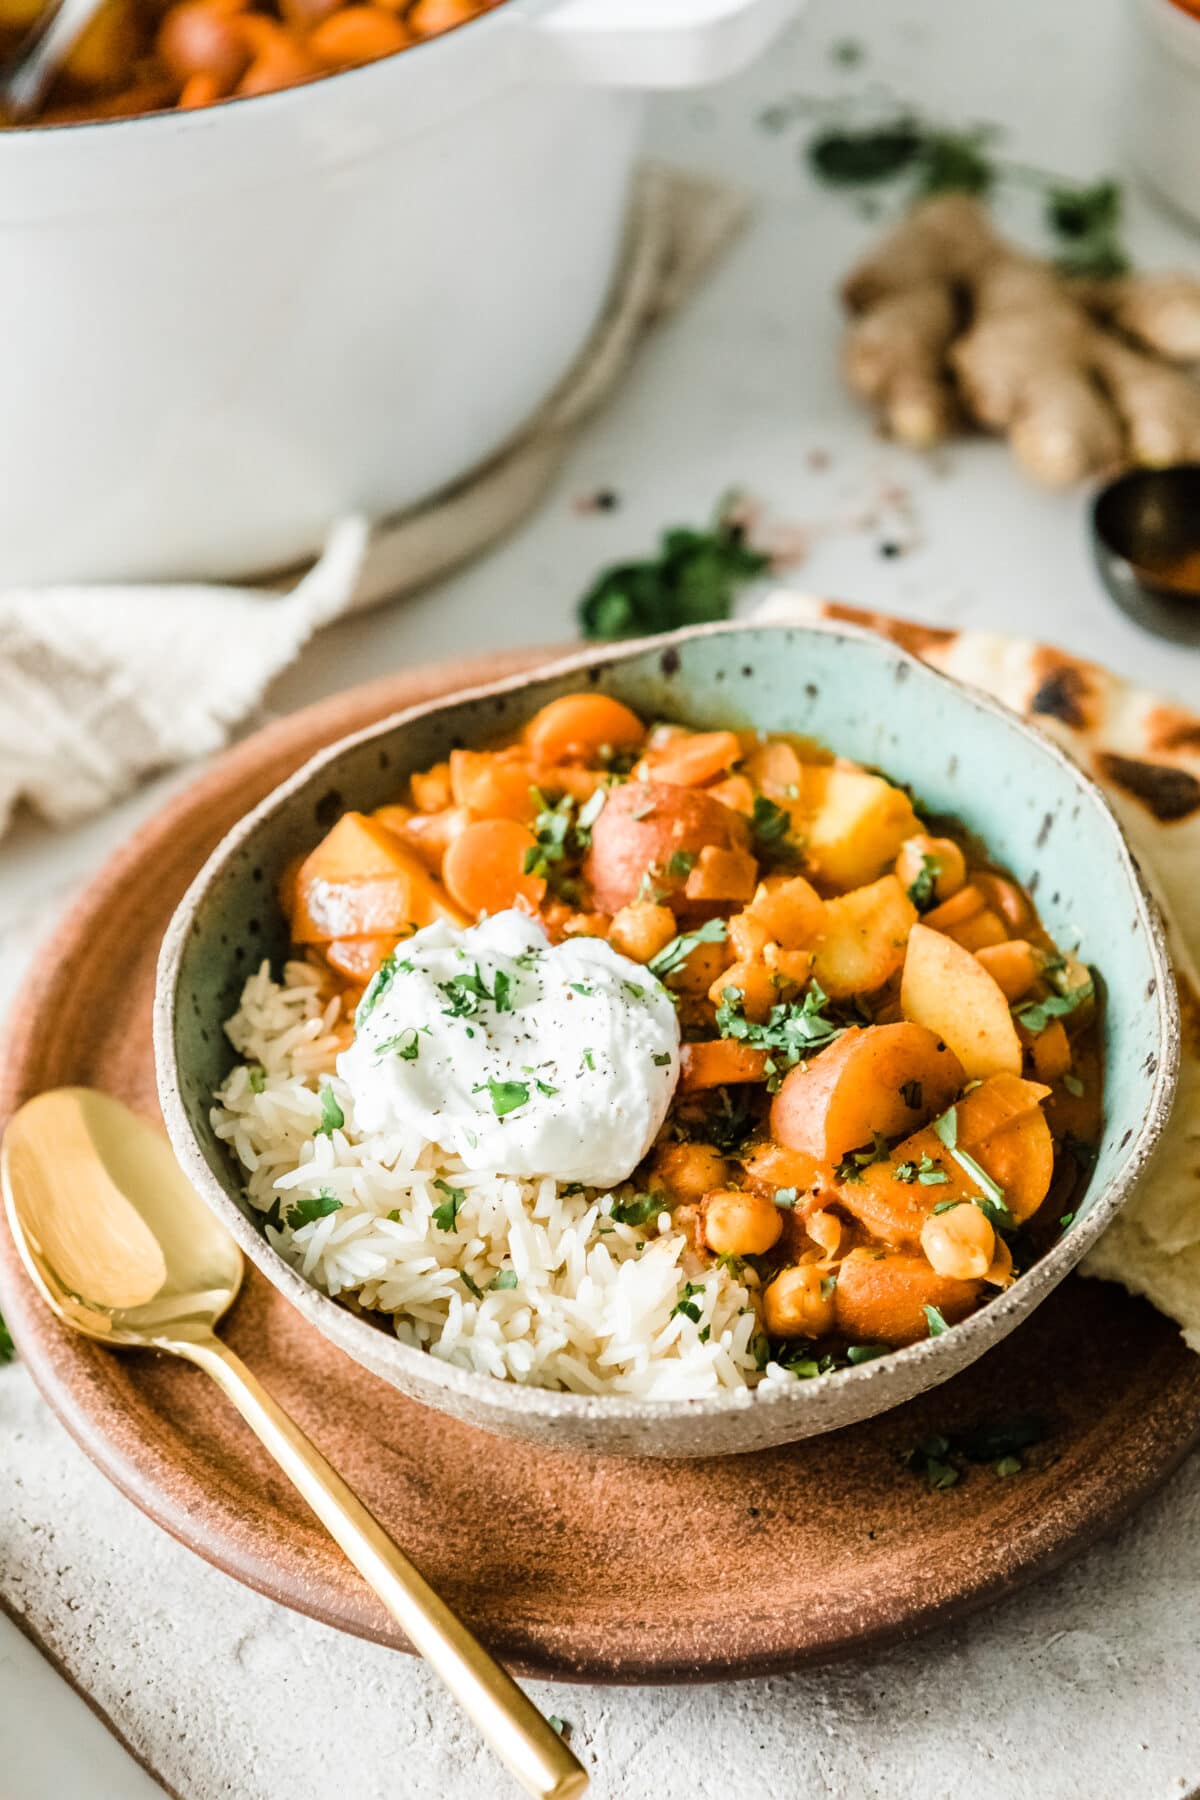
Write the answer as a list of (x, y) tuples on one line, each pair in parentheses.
[(593, 1305)]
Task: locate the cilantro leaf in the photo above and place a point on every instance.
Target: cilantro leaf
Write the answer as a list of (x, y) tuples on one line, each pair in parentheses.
[(1035, 1015), (445, 1216), (936, 1323), (501, 1283), (772, 827), (332, 1116), (921, 887), (861, 1353), (471, 1286), (507, 1096), (316, 1206), (406, 1045), (674, 954), (639, 1210), (686, 1303)]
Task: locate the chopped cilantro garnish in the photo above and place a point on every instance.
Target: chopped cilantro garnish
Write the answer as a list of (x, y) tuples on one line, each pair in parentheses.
[(792, 1031), (633, 990), (672, 955), (332, 1116), (680, 863), (1067, 1219), (257, 1077), (464, 993), (1073, 1085), (851, 1167), (945, 1206), (772, 827), (507, 1278), (316, 1206), (861, 1353), (686, 1303), (1008, 1465), (406, 1044), (661, 1060), (639, 1210), (929, 1458), (581, 987), (507, 1096), (786, 1196), (379, 985), (589, 1061), (921, 887), (936, 1323), (946, 1128), (446, 1215), (1035, 1015), (472, 1287)]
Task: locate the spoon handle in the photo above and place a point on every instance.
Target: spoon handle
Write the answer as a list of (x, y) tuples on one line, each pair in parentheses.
[(508, 1720)]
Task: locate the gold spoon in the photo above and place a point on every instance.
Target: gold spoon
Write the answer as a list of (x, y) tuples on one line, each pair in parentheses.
[(123, 1249)]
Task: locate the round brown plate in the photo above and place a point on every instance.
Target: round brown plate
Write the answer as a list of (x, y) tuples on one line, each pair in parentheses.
[(567, 1566)]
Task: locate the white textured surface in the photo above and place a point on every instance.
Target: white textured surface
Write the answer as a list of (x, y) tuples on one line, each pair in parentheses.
[(1088, 1686)]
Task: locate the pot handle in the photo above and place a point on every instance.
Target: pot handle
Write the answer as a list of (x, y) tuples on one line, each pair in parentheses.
[(653, 43)]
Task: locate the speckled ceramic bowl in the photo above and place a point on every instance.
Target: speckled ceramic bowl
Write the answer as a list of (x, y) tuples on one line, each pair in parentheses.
[(963, 754)]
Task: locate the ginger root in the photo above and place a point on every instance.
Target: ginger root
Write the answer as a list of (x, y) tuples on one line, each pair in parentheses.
[(949, 323)]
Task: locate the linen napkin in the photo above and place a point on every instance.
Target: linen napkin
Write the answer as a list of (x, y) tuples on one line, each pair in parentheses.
[(101, 687)]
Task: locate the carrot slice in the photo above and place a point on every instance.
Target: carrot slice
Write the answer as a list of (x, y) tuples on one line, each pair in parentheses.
[(484, 867), (717, 1061), (579, 727), (692, 760)]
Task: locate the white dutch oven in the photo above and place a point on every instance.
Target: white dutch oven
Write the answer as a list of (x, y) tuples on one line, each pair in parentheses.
[(223, 328)]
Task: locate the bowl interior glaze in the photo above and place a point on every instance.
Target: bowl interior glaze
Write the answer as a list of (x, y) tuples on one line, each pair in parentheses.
[(959, 751)]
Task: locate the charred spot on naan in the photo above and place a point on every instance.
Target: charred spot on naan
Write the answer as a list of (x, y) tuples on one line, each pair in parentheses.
[(1066, 689), (1170, 794), (1171, 728)]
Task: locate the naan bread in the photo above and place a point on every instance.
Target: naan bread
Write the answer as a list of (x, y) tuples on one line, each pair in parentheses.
[(1145, 753)]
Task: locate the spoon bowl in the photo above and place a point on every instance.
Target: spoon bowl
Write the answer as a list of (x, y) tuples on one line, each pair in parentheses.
[(112, 1233)]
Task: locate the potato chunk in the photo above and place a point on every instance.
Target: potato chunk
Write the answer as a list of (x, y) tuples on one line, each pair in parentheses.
[(852, 823), (361, 881), (948, 990), (865, 933)]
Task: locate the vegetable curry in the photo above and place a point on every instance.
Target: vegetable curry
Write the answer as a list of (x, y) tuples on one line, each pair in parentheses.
[(890, 1074), (142, 56)]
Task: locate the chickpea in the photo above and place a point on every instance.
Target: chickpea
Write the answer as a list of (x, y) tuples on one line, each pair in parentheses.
[(825, 1230), (357, 34), (688, 1171), (951, 870), (960, 1243), (641, 929), (198, 39), (793, 1304), (740, 1224)]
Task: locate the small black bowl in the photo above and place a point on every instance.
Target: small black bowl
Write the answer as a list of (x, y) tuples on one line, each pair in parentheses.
[(1146, 541)]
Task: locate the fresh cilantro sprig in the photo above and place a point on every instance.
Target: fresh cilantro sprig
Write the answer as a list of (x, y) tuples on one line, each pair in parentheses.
[(445, 1216), (332, 1116), (639, 1209), (691, 581), (946, 1128)]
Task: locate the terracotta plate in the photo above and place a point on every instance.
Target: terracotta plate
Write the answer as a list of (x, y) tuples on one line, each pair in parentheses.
[(569, 1567)]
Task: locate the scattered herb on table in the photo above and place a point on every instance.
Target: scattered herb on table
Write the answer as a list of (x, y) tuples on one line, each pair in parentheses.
[(692, 581), (939, 1459)]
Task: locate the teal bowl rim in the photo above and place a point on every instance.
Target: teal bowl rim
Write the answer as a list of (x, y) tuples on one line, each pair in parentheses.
[(910, 1370)]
